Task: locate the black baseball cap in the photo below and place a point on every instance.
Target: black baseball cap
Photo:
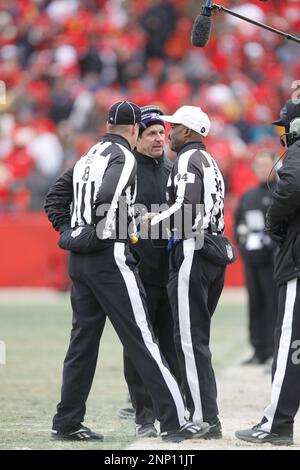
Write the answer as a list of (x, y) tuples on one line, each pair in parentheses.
[(150, 116), (283, 120), (124, 112), (288, 112)]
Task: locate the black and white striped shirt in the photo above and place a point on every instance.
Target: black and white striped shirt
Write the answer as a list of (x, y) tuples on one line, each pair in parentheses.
[(93, 188), (195, 180)]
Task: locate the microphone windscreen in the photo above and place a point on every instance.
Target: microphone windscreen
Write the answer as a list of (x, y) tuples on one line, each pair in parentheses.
[(201, 31)]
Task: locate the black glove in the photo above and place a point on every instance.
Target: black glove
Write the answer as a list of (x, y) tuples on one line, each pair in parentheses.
[(82, 239)]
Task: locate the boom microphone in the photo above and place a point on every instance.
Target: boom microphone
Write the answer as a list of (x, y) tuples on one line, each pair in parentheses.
[(202, 26)]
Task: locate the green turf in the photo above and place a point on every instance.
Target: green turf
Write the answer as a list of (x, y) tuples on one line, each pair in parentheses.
[(36, 336)]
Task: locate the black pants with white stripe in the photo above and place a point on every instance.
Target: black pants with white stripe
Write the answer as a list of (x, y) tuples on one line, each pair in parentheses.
[(285, 397), (107, 283), (194, 288), (161, 319)]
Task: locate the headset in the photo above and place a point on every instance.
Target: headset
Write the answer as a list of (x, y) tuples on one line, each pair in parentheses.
[(295, 128), (292, 135), (291, 124)]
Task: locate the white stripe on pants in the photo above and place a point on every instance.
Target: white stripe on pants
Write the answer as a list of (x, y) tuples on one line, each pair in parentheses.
[(283, 353), (185, 326), (141, 321)]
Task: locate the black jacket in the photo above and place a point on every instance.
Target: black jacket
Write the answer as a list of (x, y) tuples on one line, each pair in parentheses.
[(256, 247), (283, 217), (152, 177), (58, 202)]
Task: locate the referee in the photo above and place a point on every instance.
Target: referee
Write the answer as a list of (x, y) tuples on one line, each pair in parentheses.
[(106, 282), (257, 251), (195, 283)]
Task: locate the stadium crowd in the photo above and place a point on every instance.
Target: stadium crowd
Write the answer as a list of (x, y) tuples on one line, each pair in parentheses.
[(63, 62)]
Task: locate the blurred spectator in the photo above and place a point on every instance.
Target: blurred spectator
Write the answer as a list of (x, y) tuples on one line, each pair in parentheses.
[(257, 250), (159, 21), (64, 61)]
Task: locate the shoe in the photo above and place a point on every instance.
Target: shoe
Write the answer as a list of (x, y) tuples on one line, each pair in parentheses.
[(187, 431), (126, 413), (145, 430), (258, 436), (255, 360), (81, 434), (215, 430)]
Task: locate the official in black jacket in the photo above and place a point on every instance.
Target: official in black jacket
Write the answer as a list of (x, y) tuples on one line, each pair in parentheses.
[(153, 170), (283, 226), (257, 250)]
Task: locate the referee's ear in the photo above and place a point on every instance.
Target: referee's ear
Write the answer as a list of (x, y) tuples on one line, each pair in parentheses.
[(134, 133), (135, 128)]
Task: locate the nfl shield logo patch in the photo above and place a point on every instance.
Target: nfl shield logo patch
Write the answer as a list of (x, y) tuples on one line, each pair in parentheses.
[(76, 232), (229, 251)]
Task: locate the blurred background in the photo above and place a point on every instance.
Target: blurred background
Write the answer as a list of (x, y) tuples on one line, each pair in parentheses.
[(64, 62)]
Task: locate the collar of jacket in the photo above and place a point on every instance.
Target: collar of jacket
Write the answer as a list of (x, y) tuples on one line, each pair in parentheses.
[(191, 146), (116, 139), (145, 159)]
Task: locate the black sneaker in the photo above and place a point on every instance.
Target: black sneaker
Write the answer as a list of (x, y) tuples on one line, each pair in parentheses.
[(81, 434), (187, 431), (215, 430), (126, 413), (258, 436), (145, 430)]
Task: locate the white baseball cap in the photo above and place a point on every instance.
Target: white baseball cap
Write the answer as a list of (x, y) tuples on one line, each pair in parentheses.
[(192, 117)]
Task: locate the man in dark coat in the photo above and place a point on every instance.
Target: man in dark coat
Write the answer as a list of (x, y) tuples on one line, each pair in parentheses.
[(283, 226), (153, 170)]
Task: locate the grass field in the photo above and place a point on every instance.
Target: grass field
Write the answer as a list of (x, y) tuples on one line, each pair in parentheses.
[(36, 334)]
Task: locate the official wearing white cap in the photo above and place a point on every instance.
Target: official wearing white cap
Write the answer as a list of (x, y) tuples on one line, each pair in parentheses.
[(195, 190)]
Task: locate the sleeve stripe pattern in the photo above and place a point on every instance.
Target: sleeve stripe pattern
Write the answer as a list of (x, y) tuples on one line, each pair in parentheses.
[(124, 178), (181, 186), (213, 196), (85, 189)]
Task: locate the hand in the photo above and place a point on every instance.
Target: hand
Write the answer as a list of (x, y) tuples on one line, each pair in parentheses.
[(146, 219)]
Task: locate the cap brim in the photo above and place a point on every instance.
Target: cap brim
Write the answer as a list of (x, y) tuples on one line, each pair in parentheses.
[(171, 119), (278, 123)]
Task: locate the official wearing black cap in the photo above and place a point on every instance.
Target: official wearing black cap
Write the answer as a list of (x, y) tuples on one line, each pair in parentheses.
[(124, 113), (106, 282), (283, 226)]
